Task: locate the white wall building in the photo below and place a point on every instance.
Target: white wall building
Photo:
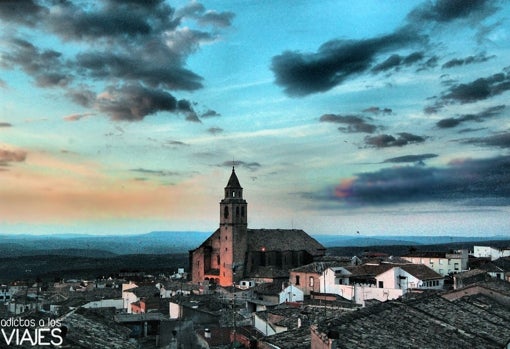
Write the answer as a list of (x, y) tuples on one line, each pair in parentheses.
[(441, 262), (382, 282), (490, 252)]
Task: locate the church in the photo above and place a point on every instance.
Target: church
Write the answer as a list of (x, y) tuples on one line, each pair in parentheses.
[(235, 252)]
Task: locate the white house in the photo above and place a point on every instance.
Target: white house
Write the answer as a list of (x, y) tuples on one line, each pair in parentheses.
[(441, 262), (128, 296), (490, 252), (378, 281)]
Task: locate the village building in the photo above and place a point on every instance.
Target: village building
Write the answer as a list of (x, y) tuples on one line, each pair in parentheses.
[(490, 252), (443, 263), (234, 252), (381, 281), (476, 317)]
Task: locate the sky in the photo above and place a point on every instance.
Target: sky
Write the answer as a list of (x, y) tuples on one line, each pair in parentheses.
[(341, 117)]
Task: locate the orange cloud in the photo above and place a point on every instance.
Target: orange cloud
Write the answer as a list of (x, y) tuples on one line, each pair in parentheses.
[(50, 190), (344, 189)]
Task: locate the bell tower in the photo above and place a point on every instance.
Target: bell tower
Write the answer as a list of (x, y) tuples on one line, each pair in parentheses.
[(233, 232)]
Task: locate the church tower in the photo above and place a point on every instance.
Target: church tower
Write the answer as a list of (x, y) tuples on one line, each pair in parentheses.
[(233, 232)]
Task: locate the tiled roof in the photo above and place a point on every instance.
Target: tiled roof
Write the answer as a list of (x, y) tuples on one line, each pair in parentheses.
[(283, 240), (421, 271), (368, 269), (319, 267), (428, 322), (87, 327)]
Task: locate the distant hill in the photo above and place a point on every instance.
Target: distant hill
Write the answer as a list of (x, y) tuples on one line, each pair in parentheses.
[(159, 242), (360, 240)]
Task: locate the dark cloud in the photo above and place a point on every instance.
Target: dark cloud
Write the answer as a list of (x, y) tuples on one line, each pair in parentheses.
[(5, 124), (46, 67), (477, 90), (109, 65), (483, 181), (386, 140), (122, 44), (219, 19), (501, 140), (158, 173), (210, 113), (252, 166), (410, 158), (479, 117), (377, 110), (26, 12), (197, 11), (354, 123), (134, 102), (179, 143), (301, 74), (468, 60), (395, 61), (215, 130), (450, 10)]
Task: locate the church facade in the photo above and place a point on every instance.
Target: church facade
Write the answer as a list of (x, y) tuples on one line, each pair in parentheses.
[(235, 252)]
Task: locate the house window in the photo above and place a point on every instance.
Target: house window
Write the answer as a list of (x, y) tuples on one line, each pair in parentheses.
[(242, 211), (218, 260), (310, 281), (297, 280), (225, 212), (237, 211), (381, 284)]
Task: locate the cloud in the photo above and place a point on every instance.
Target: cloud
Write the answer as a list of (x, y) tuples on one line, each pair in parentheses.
[(210, 113), (120, 44), (46, 67), (479, 117), (354, 123), (7, 156), (215, 130), (395, 61), (464, 61), (335, 61), (252, 166), (501, 140), (410, 158), (134, 102), (77, 117), (214, 18), (301, 74), (443, 11), (386, 140), (480, 182), (158, 173), (5, 124), (197, 11), (378, 110)]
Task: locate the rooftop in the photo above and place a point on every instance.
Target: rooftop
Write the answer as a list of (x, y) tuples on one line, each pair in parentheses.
[(426, 322)]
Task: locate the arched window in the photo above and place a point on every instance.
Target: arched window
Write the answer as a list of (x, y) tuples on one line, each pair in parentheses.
[(225, 212), (242, 211), (237, 211), (218, 260)]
